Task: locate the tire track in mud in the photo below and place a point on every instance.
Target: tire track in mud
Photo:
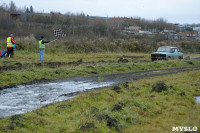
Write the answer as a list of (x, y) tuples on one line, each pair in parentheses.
[(134, 76), (131, 76), (122, 59), (19, 66)]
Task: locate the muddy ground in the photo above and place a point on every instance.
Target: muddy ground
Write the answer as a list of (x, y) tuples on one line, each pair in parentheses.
[(123, 59), (134, 76), (123, 77)]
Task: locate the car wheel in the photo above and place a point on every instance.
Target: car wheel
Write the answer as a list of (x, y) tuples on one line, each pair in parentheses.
[(180, 57)]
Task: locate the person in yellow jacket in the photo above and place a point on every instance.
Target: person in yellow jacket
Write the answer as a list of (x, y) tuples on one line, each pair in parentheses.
[(10, 46), (42, 47)]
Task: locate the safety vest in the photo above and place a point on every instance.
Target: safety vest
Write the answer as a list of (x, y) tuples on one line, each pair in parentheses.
[(9, 43), (41, 46)]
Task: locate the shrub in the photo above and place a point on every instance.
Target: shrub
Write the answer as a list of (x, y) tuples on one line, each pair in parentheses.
[(159, 86)]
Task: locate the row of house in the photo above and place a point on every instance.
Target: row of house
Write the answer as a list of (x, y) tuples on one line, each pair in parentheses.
[(170, 34), (183, 32)]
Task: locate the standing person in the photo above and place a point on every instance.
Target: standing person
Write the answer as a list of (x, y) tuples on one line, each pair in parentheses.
[(10, 46), (42, 47)]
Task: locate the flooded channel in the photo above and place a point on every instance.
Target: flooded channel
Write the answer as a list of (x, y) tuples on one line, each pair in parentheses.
[(29, 97), (25, 98)]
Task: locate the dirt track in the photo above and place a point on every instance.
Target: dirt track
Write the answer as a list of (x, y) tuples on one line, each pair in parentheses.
[(126, 77), (123, 59), (129, 77)]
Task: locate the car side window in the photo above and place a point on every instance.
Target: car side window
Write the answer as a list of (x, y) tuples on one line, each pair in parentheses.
[(172, 50), (176, 50)]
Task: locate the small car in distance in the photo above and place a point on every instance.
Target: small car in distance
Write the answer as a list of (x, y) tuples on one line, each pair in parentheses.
[(166, 52)]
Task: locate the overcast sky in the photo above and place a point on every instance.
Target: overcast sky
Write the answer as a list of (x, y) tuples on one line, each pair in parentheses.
[(174, 11)]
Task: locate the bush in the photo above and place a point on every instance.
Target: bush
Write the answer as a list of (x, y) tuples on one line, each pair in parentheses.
[(159, 86)]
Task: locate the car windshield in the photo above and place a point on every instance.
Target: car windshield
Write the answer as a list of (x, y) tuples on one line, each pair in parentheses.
[(163, 49)]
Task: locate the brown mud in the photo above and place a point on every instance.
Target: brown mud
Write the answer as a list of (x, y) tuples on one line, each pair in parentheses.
[(124, 78), (20, 66)]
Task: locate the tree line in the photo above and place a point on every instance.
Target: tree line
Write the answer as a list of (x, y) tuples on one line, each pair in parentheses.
[(84, 33), (29, 22)]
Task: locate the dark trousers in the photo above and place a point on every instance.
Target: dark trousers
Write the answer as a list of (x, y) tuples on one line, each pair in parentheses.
[(10, 53)]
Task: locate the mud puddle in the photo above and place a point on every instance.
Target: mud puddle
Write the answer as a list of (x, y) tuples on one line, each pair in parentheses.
[(25, 98)]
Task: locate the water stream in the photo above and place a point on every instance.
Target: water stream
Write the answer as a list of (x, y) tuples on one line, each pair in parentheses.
[(25, 98)]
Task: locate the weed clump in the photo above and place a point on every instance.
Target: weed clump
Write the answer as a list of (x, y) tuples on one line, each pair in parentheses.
[(182, 94), (126, 85), (190, 62), (101, 117), (122, 60), (159, 86), (112, 122), (16, 121), (118, 107), (117, 89), (15, 117), (87, 127)]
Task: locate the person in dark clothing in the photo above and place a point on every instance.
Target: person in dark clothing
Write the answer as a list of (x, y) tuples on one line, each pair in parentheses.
[(42, 47), (10, 46)]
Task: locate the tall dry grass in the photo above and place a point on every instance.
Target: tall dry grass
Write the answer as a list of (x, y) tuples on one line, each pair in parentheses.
[(100, 45)]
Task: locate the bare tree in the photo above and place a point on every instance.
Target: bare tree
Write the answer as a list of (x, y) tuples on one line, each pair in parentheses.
[(13, 7), (31, 9), (27, 10)]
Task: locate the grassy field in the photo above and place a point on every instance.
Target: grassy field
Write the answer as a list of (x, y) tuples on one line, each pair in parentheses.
[(25, 67), (152, 105)]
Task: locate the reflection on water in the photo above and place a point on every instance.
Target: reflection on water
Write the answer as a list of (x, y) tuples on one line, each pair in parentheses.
[(197, 98), (29, 97)]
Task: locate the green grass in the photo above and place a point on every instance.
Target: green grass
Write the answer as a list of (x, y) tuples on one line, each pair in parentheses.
[(142, 110)]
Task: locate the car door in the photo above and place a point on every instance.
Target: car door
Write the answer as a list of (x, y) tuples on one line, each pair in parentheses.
[(172, 53), (176, 53)]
